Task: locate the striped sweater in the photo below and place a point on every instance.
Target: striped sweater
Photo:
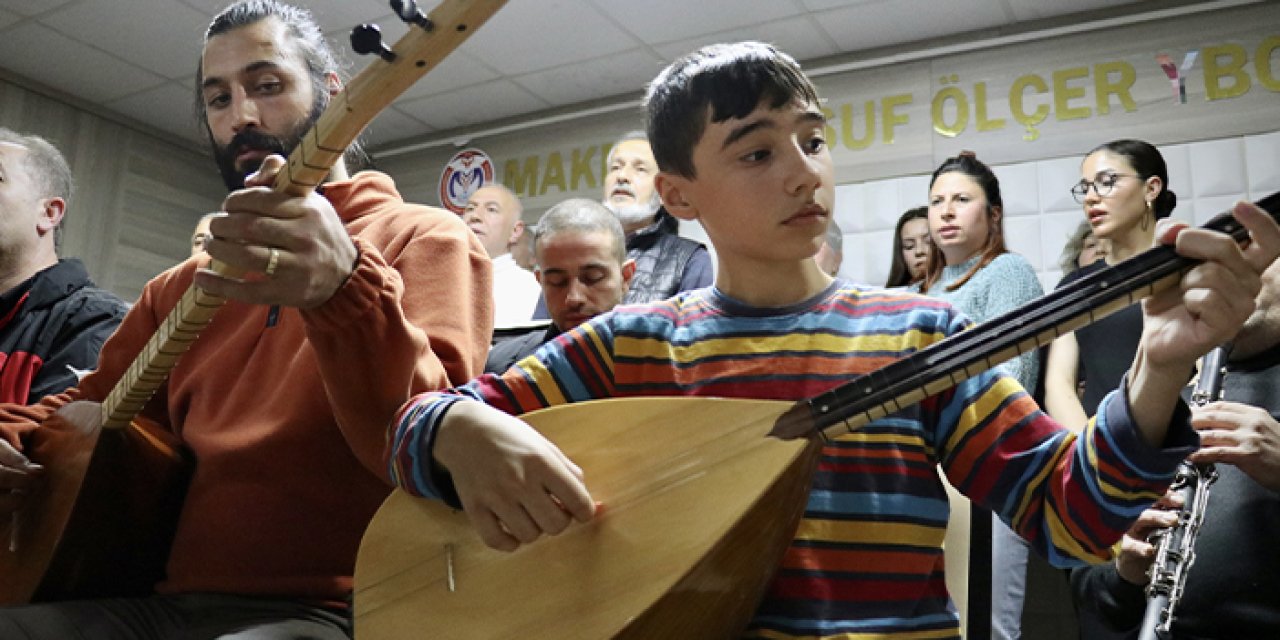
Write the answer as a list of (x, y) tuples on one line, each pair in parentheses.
[(867, 559)]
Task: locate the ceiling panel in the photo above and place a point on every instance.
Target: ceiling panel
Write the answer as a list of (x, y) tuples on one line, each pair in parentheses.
[(519, 39), (481, 103), (341, 17), (210, 7), (799, 37), (626, 72), (822, 5), (31, 7), (1037, 9), (658, 21), (391, 125), (455, 72), (882, 24), (52, 59), (172, 50)]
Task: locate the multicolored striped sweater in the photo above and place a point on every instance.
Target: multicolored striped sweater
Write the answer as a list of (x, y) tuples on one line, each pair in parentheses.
[(867, 558)]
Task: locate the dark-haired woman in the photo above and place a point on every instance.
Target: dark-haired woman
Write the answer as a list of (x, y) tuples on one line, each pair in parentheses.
[(970, 267), (1124, 189), (911, 248)]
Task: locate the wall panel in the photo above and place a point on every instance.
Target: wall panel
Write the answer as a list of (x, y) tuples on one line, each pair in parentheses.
[(137, 195)]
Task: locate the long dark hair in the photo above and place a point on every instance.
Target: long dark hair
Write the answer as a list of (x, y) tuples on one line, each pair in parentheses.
[(899, 274), (968, 164)]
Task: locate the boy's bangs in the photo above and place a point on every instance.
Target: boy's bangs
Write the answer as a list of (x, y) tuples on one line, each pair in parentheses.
[(743, 84)]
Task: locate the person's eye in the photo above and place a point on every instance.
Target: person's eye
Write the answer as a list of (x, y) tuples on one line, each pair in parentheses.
[(816, 144), (217, 101), (756, 156)]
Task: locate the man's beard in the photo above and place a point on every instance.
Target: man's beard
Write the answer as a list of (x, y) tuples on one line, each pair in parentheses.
[(253, 138), (636, 213)]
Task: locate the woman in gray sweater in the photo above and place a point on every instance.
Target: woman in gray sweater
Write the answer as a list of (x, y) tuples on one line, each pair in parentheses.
[(971, 268)]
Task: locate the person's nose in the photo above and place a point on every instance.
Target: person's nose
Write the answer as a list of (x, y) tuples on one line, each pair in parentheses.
[(577, 294), (1091, 195), (244, 112), (804, 171)]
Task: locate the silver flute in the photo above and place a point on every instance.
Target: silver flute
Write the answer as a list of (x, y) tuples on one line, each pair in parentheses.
[(1175, 546)]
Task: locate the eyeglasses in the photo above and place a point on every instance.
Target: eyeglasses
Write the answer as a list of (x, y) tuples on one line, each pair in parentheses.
[(1102, 185)]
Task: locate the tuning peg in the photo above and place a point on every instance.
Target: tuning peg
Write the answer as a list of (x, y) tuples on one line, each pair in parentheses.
[(367, 38), (408, 11)]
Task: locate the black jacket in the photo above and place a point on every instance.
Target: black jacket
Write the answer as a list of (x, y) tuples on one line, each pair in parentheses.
[(51, 328), (1233, 587), (661, 258), (508, 352)]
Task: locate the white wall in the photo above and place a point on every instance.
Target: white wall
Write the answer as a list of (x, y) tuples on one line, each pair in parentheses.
[(1208, 177)]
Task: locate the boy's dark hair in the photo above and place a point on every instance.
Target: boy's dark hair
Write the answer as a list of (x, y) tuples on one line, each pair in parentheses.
[(969, 164), (730, 79), (1146, 161)]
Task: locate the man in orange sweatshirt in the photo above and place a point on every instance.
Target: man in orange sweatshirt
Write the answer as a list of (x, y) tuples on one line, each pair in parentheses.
[(358, 301)]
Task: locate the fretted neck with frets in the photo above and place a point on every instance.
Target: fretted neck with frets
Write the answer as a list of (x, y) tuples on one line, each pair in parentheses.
[(944, 364), (428, 41)]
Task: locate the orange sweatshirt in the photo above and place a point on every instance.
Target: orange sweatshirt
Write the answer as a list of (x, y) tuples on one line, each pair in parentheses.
[(288, 423)]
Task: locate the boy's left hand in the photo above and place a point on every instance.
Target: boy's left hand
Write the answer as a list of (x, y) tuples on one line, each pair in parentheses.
[(1212, 300)]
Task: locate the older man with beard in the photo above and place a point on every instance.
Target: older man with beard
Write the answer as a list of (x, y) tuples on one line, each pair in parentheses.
[(354, 301), (666, 263)]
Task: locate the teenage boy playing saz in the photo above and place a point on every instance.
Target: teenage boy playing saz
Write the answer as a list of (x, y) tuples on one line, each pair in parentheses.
[(738, 136)]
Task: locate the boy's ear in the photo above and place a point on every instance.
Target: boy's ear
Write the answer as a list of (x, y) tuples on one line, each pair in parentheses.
[(672, 189)]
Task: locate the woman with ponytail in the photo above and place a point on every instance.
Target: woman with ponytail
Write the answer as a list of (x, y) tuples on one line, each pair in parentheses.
[(1124, 189), (970, 267)]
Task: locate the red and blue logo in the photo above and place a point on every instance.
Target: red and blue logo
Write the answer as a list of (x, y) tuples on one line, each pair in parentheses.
[(466, 171)]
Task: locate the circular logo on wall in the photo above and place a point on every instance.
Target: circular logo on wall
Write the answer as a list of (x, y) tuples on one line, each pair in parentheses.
[(466, 171)]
